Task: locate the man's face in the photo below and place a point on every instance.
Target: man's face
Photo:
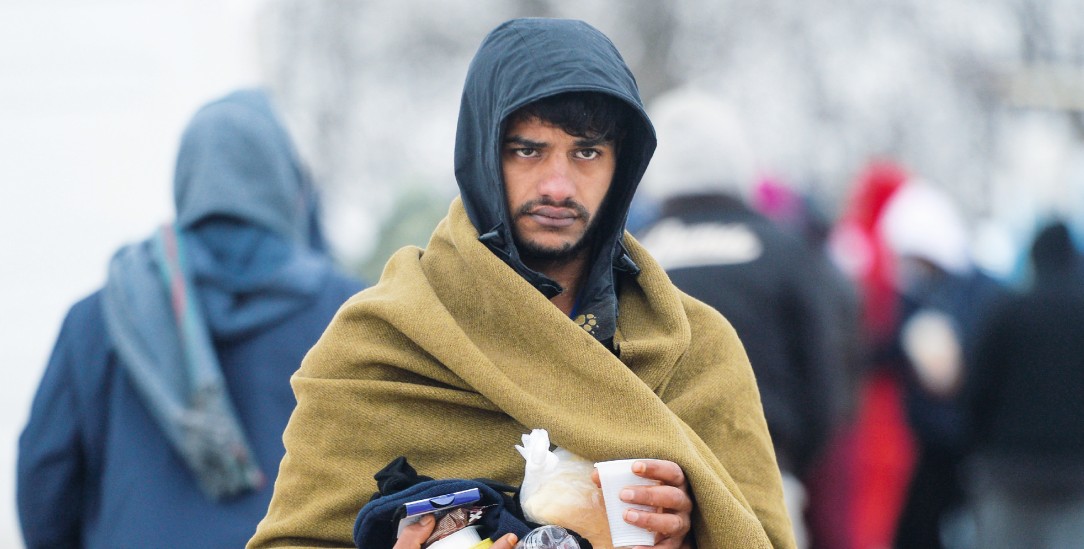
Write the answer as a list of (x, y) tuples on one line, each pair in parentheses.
[(555, 184)]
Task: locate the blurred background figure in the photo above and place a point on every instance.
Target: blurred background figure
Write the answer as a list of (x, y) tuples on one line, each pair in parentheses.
[(158, 421), (872, 460), (1026, 407), (829, 477), (783, 205), (942, 299), (762, 278), (801, 213)]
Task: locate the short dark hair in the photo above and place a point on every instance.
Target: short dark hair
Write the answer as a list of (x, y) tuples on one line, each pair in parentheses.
[(587, 115)]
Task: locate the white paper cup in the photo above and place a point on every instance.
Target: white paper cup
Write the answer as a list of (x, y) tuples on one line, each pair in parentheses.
[(463, 539), (616, 476)]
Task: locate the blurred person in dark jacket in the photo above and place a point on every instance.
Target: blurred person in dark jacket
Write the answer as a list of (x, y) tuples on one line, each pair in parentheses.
[(765, 280), (159, 419), (1025, 404), (828, 480), (799, 213), (942, 300)]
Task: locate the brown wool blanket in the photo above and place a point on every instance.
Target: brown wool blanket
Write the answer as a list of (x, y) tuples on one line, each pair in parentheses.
[(452, 356)]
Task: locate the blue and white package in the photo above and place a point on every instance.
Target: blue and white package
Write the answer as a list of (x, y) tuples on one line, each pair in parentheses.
[(413, 511)]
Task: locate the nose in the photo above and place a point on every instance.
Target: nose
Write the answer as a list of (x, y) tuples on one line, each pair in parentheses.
[(556, 178)]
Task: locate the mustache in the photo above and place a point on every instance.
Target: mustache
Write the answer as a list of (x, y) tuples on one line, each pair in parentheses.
[(568, 203)]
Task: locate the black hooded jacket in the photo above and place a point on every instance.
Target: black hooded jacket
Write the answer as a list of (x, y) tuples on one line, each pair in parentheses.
[(520, 62)]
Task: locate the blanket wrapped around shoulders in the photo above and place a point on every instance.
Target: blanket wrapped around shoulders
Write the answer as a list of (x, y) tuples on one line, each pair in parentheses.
[(452, 356)]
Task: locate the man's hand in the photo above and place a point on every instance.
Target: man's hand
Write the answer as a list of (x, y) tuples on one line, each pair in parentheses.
[(415, 535), (673, 521)]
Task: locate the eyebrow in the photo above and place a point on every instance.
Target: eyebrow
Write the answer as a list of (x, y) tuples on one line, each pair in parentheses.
[(593, 141), (584, 142), (523, 142)]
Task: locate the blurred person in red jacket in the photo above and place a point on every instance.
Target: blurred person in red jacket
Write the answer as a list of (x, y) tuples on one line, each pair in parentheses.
[(858, 489)]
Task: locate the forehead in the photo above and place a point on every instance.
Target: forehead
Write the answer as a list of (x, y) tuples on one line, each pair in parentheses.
[(529, 124), (537, 130)]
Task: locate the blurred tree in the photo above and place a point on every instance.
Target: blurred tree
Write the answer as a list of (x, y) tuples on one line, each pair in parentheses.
[(410, 222), (373, 87)]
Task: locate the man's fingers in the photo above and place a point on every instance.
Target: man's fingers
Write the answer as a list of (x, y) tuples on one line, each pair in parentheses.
[(666, 524), (664, 471), (671, 499), (415, 534), (507, 541), (662, 497)]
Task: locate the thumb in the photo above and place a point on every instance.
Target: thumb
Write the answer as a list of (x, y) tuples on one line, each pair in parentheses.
[(414, 535)]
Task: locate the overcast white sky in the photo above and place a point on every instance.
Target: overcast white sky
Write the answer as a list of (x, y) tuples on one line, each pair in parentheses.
[(93, 98)]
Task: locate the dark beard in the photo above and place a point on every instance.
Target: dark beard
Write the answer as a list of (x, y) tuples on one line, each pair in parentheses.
[(533, 254)]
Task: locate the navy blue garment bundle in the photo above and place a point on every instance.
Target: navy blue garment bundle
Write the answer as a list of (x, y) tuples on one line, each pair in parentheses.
[(398, 482), (376, 527), (159, 419)]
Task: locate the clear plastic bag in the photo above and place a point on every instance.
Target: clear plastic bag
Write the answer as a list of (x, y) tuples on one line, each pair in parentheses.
[(548, 537), (557, 489)]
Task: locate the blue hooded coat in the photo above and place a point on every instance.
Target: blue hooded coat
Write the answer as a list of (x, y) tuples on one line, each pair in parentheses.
[(104, 460)]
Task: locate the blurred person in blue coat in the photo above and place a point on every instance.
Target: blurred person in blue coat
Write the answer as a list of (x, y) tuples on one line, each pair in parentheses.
[(158, 421), (1025, 405)]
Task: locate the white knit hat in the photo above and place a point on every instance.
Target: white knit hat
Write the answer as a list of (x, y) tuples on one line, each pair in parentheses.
[(922, 221), (702, 146)]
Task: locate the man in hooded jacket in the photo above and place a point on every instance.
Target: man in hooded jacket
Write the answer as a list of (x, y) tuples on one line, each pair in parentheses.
[(532, 308), (158, 420)]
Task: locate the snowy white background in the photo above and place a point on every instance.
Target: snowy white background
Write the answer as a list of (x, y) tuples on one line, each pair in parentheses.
[(93, 97)]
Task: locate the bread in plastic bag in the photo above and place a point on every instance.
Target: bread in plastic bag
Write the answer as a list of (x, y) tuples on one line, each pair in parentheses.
[(557, 489)]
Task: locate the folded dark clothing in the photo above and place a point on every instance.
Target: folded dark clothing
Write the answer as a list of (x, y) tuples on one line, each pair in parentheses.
[(377, 525)]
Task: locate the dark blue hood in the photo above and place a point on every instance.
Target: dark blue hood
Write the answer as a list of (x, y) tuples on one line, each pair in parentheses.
[(520, 62), (236, 160)]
